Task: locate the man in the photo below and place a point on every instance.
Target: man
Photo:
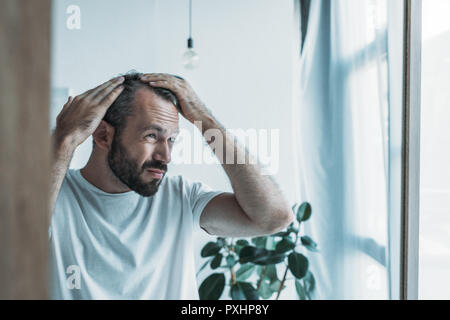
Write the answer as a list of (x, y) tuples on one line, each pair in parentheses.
[(120, 228)]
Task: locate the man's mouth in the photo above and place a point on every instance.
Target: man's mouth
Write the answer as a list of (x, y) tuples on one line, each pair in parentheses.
[(155, 173)]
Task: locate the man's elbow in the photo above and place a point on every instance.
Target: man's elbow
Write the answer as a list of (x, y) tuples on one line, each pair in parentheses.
[(280, 221)]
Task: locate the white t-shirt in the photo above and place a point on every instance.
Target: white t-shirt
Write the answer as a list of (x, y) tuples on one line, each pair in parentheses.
[(125, 246)]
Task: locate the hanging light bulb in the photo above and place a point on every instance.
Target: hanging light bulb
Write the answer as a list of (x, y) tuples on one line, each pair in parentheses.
[(190, 57)]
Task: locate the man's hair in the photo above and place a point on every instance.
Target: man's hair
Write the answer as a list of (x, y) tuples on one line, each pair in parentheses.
[(123, 106)]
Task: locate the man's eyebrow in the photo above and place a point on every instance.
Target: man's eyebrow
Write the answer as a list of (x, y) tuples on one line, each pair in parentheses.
[(157, 128)]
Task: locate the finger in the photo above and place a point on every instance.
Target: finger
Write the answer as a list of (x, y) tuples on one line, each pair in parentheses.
[(106, 86), (153, 76), (178, 77), (170, 79), (68, 102), (111, 97), (92, 92), (161, 84), (106, 91)]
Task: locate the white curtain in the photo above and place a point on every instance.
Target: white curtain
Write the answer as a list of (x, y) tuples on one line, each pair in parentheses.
[(341, 123)]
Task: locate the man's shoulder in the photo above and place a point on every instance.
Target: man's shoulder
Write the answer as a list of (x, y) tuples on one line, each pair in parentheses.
[(175, 182), (182, 184), (68, 187), (181, 181), (68, 179)]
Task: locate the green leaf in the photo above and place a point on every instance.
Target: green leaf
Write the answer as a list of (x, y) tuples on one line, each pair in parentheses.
[(202, 267), (292, 229), (274, 286), (239, 245), (272, 257), (242, 242), (245, 271), (281, 234), (221, 241), (271, 272), (304, 212), (309, 283), (259, 242), (231, 261), (249, 291), (270, 243), (236, 292), (300, 290), (264, 290), (250, 253), (284, 245), (210, 249), (260, 256), (215, 263), (243, 291), (298, 264), (309, 243), (259, 269), (212, 287)]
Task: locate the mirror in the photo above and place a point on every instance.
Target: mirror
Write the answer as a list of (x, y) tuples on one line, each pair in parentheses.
[(311, 88)]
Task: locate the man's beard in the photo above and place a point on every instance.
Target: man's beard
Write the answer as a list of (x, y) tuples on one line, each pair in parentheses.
[(128, 172)]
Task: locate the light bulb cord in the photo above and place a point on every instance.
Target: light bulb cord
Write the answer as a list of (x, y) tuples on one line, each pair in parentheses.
[(190, 18)]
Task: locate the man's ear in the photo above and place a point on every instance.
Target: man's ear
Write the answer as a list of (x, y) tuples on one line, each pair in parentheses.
[(104, 135)]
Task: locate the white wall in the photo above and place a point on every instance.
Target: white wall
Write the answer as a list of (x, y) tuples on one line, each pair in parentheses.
[(244, 75)]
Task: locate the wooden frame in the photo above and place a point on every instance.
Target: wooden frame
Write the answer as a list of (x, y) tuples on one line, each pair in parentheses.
[(24, 148)]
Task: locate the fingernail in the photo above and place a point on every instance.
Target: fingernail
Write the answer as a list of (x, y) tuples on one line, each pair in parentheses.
[(152, 83), (121, 79)]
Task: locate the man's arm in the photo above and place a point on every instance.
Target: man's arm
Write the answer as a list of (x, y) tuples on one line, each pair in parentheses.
[(62, 155), (77, 120), (257, 206)]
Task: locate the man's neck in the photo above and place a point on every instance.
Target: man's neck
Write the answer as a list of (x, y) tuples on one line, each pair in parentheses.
[(98, 173)]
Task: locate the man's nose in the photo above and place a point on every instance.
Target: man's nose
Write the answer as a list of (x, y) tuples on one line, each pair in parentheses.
[(162, 152)]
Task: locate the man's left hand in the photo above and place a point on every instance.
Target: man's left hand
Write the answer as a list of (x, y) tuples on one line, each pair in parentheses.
[(192, 107)]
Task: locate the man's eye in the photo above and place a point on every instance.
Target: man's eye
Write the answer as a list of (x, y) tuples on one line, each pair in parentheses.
[(172, 140), (152, 135)]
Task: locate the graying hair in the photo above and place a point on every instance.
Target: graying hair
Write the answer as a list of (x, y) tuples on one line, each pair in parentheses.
[(122, 107)]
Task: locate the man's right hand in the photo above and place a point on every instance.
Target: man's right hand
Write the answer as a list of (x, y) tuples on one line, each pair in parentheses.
[(81, 115)]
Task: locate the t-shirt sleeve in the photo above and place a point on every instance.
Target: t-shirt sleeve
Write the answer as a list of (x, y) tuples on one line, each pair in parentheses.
[(199, 194), (63, 190)]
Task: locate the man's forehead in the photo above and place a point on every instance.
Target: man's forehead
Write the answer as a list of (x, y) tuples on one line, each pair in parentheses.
[(159, 128), (145, 98), (152, 112)]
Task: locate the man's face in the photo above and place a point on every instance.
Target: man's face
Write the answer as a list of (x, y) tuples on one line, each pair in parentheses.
[(139, 156)]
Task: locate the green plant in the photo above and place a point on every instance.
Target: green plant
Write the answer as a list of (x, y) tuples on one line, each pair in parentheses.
[(241, 259)]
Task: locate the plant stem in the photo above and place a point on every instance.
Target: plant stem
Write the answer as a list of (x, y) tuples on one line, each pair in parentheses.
[(233, 276), (230, 249), (282, 283), (287, 266), (263, 272)]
